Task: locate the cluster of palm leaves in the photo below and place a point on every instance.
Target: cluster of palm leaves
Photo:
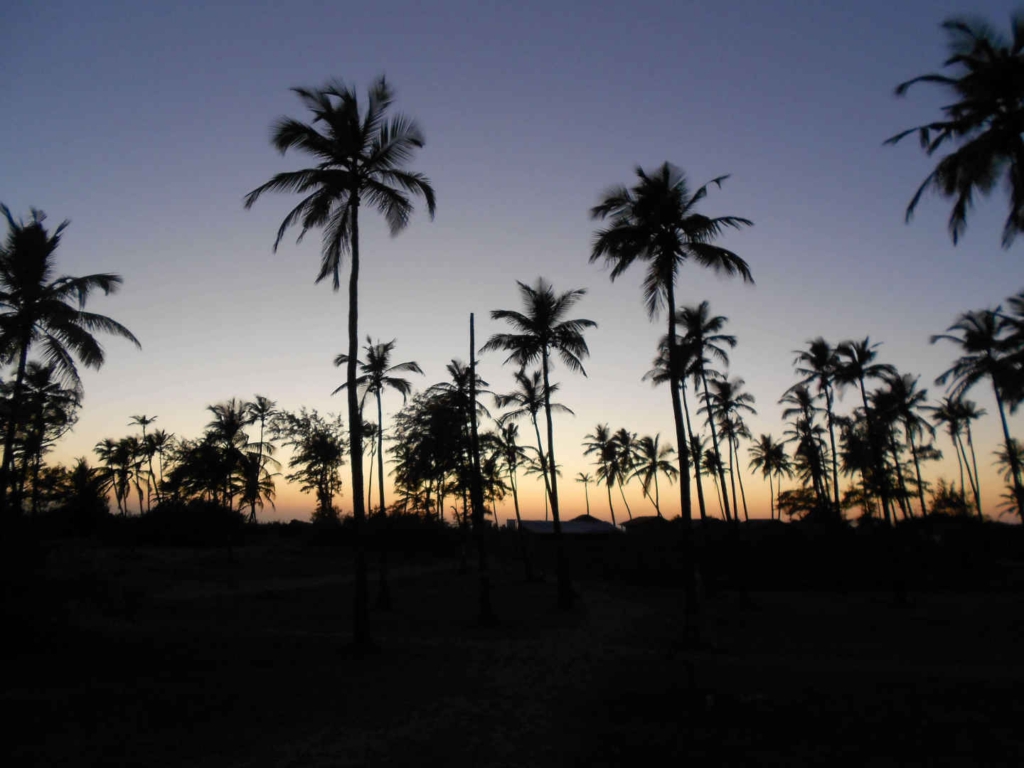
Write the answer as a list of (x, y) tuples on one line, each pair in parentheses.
[(620, 457)]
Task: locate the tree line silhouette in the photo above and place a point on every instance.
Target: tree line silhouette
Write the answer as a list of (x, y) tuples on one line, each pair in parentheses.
[(361, 151)]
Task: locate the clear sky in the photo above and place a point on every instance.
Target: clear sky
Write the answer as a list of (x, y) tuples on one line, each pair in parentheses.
[(146, 124)]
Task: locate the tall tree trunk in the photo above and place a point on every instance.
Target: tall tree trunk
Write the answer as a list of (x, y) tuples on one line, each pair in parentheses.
[(917, 468), (610, 507), (360, 600), (487, 617), (623, 495), (384, 532), (739, 474), (565, 593), (696, 456), (903, 496), (832, 442), (974, 462), (714, 443), (586, 493), (657, 494), (771, 498), (876, 455)]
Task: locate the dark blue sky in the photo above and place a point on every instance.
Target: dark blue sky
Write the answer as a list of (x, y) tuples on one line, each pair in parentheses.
[(147, 125)]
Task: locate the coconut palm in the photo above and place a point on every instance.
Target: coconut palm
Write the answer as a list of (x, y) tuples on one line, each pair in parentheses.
[(360, 155), (857, 365), (653, 459), (144, 421), (601, 444), (983, 116), (770, 457), (586, 479), (38, 308), (818, 364), (260, 410), (948, 413), (376, 375), (626, 458), (656, 221), (703, 334), (540, 331), (726, 403), (978, 335), (907, 401)]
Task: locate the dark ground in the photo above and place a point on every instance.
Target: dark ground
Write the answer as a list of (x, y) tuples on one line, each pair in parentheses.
[(204, 657)]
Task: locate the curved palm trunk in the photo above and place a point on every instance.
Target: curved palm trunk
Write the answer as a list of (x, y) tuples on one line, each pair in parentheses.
[(832, 443), (903, 496), (543, 465), (739, 474), (771, 497), (696, 457), (622, 493), (657, 494), (714, 444), (917, 468), (960, 460), (974, 461), (610, 507), (360, 600), (1011, 455), (732, 482), (384, 582), (586, 494), (565, 595)]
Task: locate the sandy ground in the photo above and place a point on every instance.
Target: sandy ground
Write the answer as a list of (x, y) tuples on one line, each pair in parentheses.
[(197, 658)]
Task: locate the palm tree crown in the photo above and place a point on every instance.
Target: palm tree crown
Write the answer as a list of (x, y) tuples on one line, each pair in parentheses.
[(984, 117)]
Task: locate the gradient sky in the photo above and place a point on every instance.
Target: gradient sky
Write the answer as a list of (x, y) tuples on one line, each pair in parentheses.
[(145, 125)]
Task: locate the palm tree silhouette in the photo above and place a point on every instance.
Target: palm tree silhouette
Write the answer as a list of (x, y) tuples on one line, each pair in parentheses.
[(907, 400), (601, 444), (656, 221), (377, 374), (984, 117), (37, 307), (625, 458), (804, 432), (978, 335), (770, 457), (653, 459), (263, 410), (361, 156), (541, 331), (703, 335), (818, 364), (144, 421), (727, 404), (586, 479), (856, 365)]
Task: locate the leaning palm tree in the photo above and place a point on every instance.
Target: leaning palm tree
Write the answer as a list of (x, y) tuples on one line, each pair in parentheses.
[(360, 156), (540, 331), (656, 221), (653, 459), (770, 457), (948, 413), (726, 403), (978, 335), (38, 308), (626, 458), (983, 116), (376, 375), (261, 409)]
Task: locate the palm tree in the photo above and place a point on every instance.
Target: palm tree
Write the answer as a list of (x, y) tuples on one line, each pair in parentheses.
[(625, 457), (39, 308), (527, 400), (948, 413), (856, 365), (687, 366), (984, 116), (727, 403), (703, 334), (377, 374), (144, 421), (540, 331), (656, 221), (586, 479), (601, 444), (818, 364), (969, 411), (907, 400), (654, 459), (770, 457), (261, 409), (360, 157), (978, 336)]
